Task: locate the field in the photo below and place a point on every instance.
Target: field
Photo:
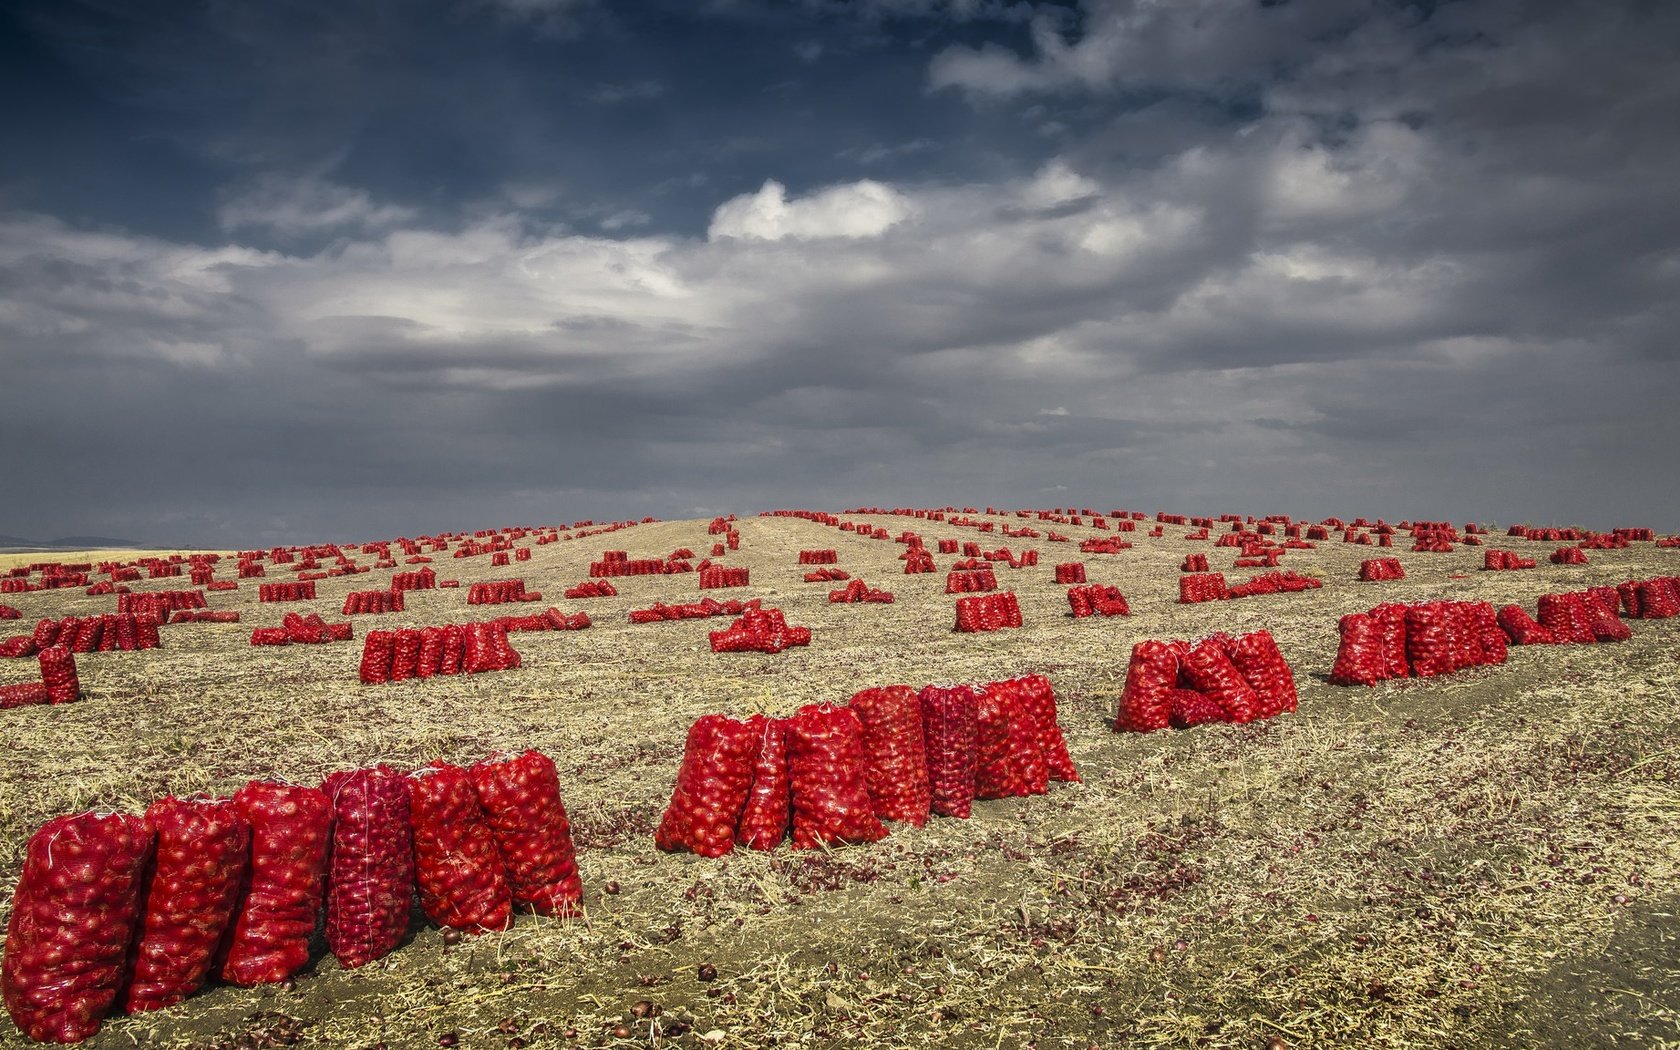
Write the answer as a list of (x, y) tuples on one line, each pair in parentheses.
[(1481, 860)]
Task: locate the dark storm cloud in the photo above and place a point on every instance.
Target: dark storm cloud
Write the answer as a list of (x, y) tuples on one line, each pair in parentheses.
[(529, 261)]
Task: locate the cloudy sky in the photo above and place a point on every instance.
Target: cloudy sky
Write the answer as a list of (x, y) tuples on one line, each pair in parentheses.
[(353, 268)]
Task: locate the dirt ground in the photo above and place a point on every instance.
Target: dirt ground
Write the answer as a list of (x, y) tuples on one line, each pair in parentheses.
[(1485, 860)]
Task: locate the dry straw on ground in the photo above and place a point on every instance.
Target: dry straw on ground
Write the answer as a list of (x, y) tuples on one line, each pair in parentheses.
[(1477, 861)]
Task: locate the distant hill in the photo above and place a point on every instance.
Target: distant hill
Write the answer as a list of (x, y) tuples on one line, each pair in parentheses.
[(72, 543)]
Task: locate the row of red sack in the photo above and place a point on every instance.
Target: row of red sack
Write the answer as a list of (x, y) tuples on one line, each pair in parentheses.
[(716, 576), (592, 589), (1378, 569), (120, 912), (828, 556), (1070, 572), (1569, 556), (498, 592), (104, 633), (830, 775), (827, 576), (58, 684), (1425, 639), (970, 581), (1097, 599), (858, 591), (420, 580), (917, 560), (659, 612), (205, 616), (1211, 587), (359, 602), (638, 567), (758, 630), (303, 630), (1103, 545), (286, 592), (157, 604), (396, 656), (1218, 679), (1494, 559), (987, 612)]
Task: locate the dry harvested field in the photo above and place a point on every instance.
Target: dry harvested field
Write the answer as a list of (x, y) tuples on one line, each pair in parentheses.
[(1486, 859)]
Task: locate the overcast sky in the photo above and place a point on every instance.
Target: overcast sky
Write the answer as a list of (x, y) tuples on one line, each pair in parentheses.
[(356, 268)]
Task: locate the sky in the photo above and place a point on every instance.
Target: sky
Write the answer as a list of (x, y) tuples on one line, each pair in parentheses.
[(351, 269)]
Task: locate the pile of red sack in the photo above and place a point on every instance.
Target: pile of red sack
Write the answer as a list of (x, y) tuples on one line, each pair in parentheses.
[(119, 912), (988, 612), (357, 602), (1495, 559), (1569, 556), (1285, 582), (970, 581), (423, 580), (1424, 639), (1070, 572), (1194, 563), (1589, 616), (758, 630), (1377, 569), (157, 605), (828, 576), (1097, 600), (618, 563), (916, 560), (395, 656), (58, 683), (205, 616), (713, 577), (1201, 587), (9, 613), (303, 630), (592, 589), (659, 612), (858, 591), (1219, 679), (822, 557), (550, 620), (500, 592), (1104, 545), (301, 591), (107, 632), (830, 775), (1655, 599)]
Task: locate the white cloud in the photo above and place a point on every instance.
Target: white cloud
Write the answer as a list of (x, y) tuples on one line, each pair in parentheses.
[(859, 209), (307, 204)]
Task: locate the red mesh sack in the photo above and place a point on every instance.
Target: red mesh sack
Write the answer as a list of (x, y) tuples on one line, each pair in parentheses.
[(377, 649), (765, 817), (1191, 708), (430, 658), (521, 799), (1359, 659), (1145, 703), (1486, 625), (1429, 639), (949, 726), (454, 649), (58, 673), (895, 753), (827, 777), (712, 787), (1602, 620), (459, 873), (1009, 754), (291, 830), (1259, 660), (1566, 618), (1209, 670), (405, 655), (1035, 693), (1391, 621), (22, 694), (73, 918), (370, 883), (1522, 628), (1466, 638), (17, 646), (203, 846)]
